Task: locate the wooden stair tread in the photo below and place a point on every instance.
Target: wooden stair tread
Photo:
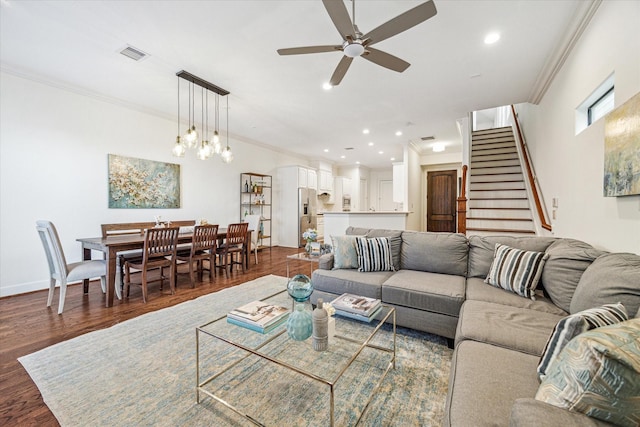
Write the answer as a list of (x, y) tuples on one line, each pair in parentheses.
[(498, 173), (498, 198), (511, 209), (502, 230), (500, 219), (498, 182), (498, 189)]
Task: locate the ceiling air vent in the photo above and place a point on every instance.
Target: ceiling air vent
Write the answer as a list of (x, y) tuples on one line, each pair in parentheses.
[(133, 53), (428, 138), (348, 148)]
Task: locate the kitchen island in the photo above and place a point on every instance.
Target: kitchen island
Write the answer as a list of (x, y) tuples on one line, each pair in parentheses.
[(335, 223)]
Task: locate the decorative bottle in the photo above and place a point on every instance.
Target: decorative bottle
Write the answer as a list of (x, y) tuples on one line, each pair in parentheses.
[(320, 327), (300, 323), (246, 186)]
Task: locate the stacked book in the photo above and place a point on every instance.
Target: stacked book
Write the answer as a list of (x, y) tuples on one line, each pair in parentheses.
[(357, 307), (258, 316)]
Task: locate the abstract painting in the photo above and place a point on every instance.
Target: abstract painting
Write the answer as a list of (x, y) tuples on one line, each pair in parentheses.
[(143, 184), (622, 149)]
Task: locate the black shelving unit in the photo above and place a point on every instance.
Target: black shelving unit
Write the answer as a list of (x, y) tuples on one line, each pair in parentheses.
[(255, 199)]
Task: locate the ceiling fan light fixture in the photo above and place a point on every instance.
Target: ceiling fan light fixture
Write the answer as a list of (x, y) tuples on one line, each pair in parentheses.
[(327, 86), (353, 49)]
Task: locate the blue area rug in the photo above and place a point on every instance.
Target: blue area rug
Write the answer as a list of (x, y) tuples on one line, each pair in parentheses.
[(142, 372)]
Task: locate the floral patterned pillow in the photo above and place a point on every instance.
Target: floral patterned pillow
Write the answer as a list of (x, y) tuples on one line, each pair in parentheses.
[(344, 252)]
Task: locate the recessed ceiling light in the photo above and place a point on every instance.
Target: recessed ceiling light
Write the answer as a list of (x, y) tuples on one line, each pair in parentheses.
[(370, 144), (343, 157), (380, 152), (491, 38), (365, 131), (357, 163), (399, 133), (326, 150), (327, 86), (392, 159)]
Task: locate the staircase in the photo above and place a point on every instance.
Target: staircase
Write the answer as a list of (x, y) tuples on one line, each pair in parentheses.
[(498, 202)]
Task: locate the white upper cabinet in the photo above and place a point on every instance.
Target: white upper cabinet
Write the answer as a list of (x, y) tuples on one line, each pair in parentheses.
[(325, 184), (312, 179), (303, 180), (306, 178)]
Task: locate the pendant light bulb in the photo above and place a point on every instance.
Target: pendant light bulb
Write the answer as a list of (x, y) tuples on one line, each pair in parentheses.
[(216, 137), (227, 155), (217, 147), (178, 149)]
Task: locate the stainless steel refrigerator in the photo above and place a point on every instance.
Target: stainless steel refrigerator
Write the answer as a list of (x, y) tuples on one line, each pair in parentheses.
[(307, 212)]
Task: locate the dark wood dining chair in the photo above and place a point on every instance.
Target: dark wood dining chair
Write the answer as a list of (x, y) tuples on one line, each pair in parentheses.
[(234, 247), (159, 252), (203, 247)]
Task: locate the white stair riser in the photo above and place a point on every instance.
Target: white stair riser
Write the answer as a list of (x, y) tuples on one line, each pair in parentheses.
[(495, 178), (475, 141), (497, 186), (494, 157), (520, 204), (495, 171), (490, 132), (499, 213), (495, 163), (501, 225), (494, 150), (498, 194)]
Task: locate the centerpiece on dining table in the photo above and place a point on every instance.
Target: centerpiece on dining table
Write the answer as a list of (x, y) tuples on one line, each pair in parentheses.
[(311, 236)]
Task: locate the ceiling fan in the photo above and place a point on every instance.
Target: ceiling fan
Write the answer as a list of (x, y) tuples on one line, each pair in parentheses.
[(356, 44)]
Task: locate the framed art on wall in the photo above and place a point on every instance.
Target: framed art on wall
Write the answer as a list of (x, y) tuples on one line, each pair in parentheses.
[(143, 184), (622, 149)]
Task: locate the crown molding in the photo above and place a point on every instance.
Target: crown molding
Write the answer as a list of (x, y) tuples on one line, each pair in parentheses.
[(556, 60)]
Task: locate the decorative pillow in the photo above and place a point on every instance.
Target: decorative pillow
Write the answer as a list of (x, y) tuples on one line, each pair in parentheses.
[(571, 326), (516, 270), (344, 252), (597, 374), (374, 254)]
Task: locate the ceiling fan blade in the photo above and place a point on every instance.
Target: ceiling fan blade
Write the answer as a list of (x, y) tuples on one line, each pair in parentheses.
[(340, 71), (309, 49), (340, 17), (401, 23), (385, 59)]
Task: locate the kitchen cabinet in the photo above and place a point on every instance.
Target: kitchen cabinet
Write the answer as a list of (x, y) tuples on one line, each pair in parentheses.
[(312, 179), (325, 183), (255, 199)]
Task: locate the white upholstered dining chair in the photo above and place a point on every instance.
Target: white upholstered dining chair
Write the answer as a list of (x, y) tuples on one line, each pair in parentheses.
[(60, 271), (254, 224)]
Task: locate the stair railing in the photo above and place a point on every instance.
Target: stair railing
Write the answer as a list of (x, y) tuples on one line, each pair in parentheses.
[(462, 203), (533, 181)]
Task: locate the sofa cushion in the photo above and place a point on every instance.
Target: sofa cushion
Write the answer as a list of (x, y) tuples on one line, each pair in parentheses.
[(350, 281), (444, 253), (438, 293), (528, 412), (482, 248), (609, 279), (573, 325), (374, 254), (477, 290), (344, 252), (597, 374), (568, 259), (484, 382), (517, 329), (516, 270)]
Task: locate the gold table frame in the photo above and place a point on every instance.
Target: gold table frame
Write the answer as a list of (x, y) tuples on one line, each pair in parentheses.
[(388, 314)]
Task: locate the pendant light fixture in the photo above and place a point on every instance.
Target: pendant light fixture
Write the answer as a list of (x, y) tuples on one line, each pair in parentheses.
[(179, 149), (227, 155), (204, 148)]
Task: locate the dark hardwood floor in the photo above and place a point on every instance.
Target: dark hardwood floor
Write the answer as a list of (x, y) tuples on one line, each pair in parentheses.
[(27, 325)]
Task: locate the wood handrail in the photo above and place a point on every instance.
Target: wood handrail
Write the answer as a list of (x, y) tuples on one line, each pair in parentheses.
[(462, 203), (534, 188)]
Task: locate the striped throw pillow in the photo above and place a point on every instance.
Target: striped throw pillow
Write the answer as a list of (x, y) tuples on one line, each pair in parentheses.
[(571, 326), (374, 254), (516, 270)]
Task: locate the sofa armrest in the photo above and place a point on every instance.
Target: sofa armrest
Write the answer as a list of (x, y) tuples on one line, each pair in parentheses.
[(325, 262), (529, 412)]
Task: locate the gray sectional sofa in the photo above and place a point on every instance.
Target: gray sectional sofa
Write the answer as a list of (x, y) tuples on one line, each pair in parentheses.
[(439, 287)]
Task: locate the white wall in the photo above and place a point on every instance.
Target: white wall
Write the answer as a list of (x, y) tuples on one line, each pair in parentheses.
[(53, 165), (414, 189), (570, 167)]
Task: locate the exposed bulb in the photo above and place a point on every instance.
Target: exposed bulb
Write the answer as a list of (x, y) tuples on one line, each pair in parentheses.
[(191, 137), (178, 149), (227, 155), (216, 137), (208, 150), (217, 147)]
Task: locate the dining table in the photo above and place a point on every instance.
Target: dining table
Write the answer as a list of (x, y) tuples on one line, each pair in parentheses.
[(111, 245)]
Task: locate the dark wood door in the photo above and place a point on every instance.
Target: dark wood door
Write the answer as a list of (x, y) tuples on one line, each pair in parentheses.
[(441, 200)]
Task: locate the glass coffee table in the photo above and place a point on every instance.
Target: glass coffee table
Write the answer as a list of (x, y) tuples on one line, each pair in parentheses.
[(272, 379)]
